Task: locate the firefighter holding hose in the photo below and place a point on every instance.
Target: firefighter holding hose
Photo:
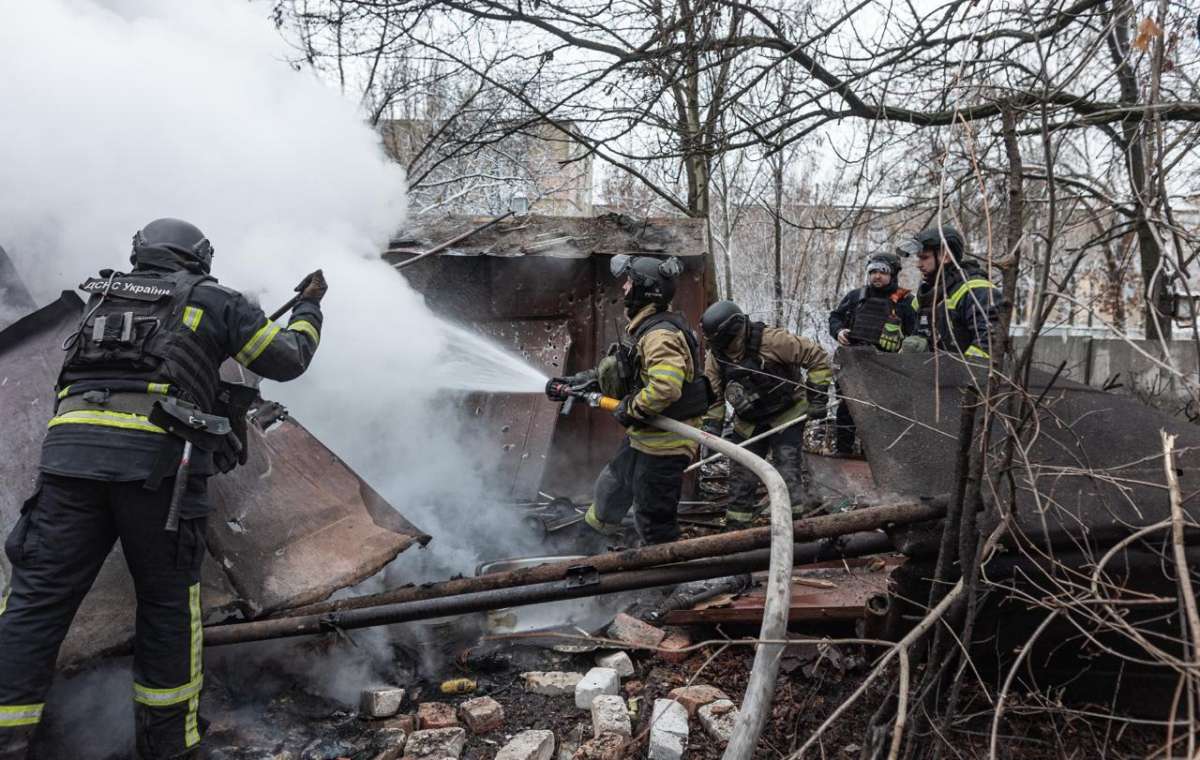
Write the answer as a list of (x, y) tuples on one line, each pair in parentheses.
[(140, 424), (655, 371), (770, 377)]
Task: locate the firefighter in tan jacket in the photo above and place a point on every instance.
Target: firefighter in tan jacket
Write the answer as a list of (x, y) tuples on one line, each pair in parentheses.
[(770, 377), (655, 372)]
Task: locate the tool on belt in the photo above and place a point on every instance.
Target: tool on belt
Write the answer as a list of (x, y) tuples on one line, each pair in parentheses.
[(209, 432)]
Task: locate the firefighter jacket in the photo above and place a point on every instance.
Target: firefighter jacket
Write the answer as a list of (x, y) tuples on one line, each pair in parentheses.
[(957, 312), (159, 331), (787, 364), (665, 365), (874, 317)]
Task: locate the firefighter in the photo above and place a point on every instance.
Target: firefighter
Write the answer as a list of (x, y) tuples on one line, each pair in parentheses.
[(149, 341), (769, 376), (957, 306), (655, 371), (879, 315)]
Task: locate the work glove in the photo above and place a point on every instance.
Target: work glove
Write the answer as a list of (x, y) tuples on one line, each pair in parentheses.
[(314, 287), (741, 401), (818, 401), (890, 339), (843, 337), (914, 344), (621, 413)]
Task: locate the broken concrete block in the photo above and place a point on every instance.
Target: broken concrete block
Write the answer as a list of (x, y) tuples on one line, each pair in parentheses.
[(552, 683), (436, 743), (380, 702), (634, 632), (431, 715), (668, 730), (388, 744), (481, 714), (694, 697), (571, 742), (528, 745), (610, 716), (673, 646), (618, 661), (597, 681), (718, 719), (406, 723), (603, 747)]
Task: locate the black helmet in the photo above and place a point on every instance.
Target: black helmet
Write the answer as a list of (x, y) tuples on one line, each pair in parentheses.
[(889, 260), (176, 236), (653, 279), (721, 323), (932, 237)]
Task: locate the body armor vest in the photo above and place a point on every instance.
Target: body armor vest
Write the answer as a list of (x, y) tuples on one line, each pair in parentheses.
[(766, 387), (875, 321), (696, 394), (133, 339)]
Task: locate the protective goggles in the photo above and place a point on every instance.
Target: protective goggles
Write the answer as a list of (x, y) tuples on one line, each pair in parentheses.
[(623, 264), (878, 266), (909, 247)]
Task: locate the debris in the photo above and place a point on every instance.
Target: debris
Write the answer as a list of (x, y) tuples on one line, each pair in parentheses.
[(675, 646), (603, 747), (597, 681), (552, 683), (618, 661), (528, 745), (668, 730), (609, 715), (381, 702), (405, 723), (436, 743), (388, 744), (570, 743), (694, 697), (481, 714), (458, 686), (634, 632), (718, 719), (321, 749), (434, 715)]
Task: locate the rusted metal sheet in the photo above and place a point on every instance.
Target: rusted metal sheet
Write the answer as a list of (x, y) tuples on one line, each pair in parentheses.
[(555, 268), (1096, 468), (308, 525), (823, 592), (842, 478), (521, 424)]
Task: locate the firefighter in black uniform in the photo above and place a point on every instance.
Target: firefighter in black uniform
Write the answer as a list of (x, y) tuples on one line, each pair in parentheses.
[(879, 315), (957, 306), (145, 359)]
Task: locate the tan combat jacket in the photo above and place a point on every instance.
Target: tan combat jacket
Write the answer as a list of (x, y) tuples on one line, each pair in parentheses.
[(666, 365)]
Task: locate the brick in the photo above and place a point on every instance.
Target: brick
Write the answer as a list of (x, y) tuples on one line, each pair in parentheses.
[(388, 744), (694, 697), (610, 716), (436, 743), (634, 632), (673, 646), (603, 747), (528, 745), (668, 730), (597, 681), (551, 683), (718, 719), (618, 661), (432, 715), (481, 714), (381, 702), (406, 723)]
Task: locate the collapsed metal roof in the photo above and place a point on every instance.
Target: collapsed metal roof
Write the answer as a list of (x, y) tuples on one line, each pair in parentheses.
[(289, 528)]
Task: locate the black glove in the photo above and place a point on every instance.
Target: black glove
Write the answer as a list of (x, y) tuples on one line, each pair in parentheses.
[(818, 401), (621, 413), (314, 287)]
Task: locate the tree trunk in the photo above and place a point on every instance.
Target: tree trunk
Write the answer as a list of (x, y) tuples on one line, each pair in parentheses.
[(777, 169)]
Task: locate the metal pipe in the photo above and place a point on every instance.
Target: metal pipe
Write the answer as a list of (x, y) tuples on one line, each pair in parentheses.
[(756, 704), (443, 246), (748, 441), (583, 584), (719, 545)]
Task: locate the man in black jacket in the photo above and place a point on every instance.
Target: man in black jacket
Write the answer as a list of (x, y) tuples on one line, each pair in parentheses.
[(880, 315), (957, 305), (150, 341)]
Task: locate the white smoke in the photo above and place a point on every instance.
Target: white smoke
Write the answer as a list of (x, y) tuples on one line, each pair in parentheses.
[(120, 111)]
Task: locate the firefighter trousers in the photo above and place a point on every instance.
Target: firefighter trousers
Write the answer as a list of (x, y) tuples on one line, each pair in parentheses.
[(787, 455), (648, 483), (56, 548)]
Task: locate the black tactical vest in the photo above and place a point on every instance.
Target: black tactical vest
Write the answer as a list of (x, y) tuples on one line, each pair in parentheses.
[(696, 395), (133, 339), (872, 314), (767, 384)]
